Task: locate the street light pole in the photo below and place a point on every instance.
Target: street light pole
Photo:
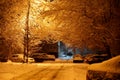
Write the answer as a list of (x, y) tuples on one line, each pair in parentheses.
[(27, 34)]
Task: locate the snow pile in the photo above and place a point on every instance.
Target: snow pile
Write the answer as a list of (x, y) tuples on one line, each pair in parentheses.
[(111, 65)]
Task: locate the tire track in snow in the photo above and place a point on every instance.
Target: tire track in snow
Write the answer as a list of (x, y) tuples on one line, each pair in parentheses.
[(56, 73), (64, 73), (29, 74), (49, 74)]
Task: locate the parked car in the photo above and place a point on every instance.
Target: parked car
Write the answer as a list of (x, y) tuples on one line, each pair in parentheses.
[(17, 58), (50, 57), (77, 58), (40, 57), (31, 60), (95, 58)]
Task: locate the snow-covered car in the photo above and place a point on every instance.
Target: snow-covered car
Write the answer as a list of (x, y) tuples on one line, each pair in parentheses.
[(17, 58), (50, 57), (95, 58), (77, 58), (106, 70), (40, 57), (31, 60)]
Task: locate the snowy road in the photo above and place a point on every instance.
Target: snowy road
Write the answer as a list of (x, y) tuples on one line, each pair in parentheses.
[(48, 71)]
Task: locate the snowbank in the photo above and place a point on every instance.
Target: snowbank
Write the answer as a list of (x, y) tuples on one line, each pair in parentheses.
[(107, 70), (111, 65)]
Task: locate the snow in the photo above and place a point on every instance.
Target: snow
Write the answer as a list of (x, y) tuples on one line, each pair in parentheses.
[(111, 65), (55, 71), (10, 69), (43, 71)]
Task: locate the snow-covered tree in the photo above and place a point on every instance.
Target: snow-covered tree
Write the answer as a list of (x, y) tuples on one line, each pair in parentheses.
[(80, 23)]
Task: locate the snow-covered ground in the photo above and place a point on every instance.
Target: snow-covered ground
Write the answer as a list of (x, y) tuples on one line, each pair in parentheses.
[(111, 65), (43, 71), (55, 71)]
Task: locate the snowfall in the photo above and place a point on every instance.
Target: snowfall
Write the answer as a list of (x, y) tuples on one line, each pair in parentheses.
[(54, 71)]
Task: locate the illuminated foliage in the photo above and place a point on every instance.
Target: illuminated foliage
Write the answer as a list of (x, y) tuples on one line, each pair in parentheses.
[(80, 23)]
